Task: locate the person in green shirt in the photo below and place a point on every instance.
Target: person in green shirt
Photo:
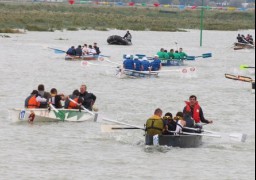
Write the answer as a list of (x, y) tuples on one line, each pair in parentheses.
[(161, 53), (177, 55), (166, 55), (183, 55), (171, 54)]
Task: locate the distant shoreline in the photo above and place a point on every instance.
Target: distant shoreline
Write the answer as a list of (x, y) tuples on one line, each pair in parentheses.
[(51, 17)]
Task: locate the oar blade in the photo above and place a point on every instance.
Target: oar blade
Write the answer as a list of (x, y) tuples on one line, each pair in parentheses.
[(191, 58), (207, 55), (238, 137)]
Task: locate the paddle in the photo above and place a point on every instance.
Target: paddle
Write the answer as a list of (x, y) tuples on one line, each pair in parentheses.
[(57, 51), (58, 113), (88, 111), (244, 66), (234, 136), (192, 58), (121, 123)]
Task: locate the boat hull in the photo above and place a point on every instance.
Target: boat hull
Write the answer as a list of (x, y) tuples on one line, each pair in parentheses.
[(44, 115), (118, 40), (81, 58), (243, 46), (172, 62), (182, 141), (136, 74)]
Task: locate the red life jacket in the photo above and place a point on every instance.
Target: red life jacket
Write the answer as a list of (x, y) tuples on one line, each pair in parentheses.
[(32, 103), (73, 105), (196, 114)]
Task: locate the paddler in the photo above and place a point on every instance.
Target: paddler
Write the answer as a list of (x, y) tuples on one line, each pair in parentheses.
[(43, 94), (145, 64), (137, 63), (161, 53), (34, 100), (193, 111), (155, 124), (128, 63), (88, 98), (156, 65), (183, 55), (75, 96), (56, 98)]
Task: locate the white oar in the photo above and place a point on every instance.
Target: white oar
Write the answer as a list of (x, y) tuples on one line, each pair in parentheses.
[(90, 112), (59, 114), (198, 134), (125, 124), (234, 136), (106, 59)]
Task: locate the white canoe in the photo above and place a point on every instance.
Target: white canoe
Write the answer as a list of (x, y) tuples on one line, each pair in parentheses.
[(44, 115)]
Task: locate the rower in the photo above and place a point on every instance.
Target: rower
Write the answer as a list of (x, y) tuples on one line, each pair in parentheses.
[(56, 98), (155, 124), (137, 63), (169, 123), (156, 65), (194, 111), (43, 94), (88, 98), (128, 63), (34, 100), (76, 98), (145, 64), (183, 55), (180, 122)]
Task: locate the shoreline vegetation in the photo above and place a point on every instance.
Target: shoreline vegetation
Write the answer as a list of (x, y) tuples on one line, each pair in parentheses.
[(51, 17)]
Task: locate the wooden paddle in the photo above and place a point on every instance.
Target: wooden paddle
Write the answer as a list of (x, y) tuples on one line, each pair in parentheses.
[(58, 113), (239, 78)]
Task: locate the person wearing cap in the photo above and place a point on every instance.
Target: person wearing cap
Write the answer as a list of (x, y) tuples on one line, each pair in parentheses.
[(71, 51), (145, 64), (193, 111), (79, 51), (156, 65), (137, 63), (33, 101), (97, 49), (88, 98), (46, 95), (128, 63)]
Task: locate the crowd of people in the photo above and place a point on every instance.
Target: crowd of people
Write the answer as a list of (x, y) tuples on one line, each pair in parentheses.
[(142, 65), (177, 55), (41, 99), (247, 40), (191, 117), (84, 50)]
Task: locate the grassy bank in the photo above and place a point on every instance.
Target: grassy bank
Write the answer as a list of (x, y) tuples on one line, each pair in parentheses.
[(50, 17)]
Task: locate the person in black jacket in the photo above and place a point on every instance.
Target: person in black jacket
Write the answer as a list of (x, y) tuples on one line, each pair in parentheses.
[(88, 98), (97, 49)]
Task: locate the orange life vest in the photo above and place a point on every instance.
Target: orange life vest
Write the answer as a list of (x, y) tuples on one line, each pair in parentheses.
[(73, 105), (195, 113), (32, 103)]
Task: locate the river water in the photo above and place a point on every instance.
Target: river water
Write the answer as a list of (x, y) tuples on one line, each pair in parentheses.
[(81, 151)]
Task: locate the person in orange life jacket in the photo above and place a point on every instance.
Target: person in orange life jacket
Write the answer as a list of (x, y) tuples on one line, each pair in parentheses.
[(128, 63), (56, 98), (45, 95), (34, 100), (75, 96), (193, 111), (137, 64), (88, 98)]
